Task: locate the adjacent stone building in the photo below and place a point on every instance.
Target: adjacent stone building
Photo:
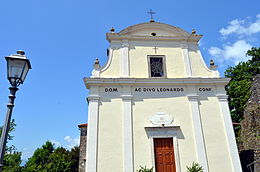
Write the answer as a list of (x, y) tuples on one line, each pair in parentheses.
[(82, 147), (250, 130)]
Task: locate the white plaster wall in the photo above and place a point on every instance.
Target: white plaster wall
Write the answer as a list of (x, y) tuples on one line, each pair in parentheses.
[(214, 135), (114, 70), (110, 138), (139, 51), (198, 64), (177, 107), (138, 62)]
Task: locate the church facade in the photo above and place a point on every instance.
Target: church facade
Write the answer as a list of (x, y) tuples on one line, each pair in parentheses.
[(155, 103)]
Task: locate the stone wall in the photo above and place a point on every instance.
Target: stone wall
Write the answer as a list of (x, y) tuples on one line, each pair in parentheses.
[(250, 128), (82, 147)]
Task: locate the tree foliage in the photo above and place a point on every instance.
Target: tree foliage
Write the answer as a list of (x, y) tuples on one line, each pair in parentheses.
[(239, 86), (45, 159), (60, 160), (12, 158), (145, 169), (74, 158), (9, 148), (40, 158), (254, 53), (195, 167), (51, 159), (12, 162)]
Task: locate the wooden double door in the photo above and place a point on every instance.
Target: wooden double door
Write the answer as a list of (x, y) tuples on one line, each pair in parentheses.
[(164, 155)]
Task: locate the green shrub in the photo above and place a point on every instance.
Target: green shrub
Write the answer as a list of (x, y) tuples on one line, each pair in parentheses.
[(145, 169), (195, 168)]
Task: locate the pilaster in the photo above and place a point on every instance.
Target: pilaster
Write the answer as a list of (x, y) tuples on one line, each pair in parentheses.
[(224, 108), (92, 137), (125, 59), (198, 132), (128, 130), (187, 60)]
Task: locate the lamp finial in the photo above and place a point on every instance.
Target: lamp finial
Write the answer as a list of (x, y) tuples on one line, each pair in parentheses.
[(20, 52)]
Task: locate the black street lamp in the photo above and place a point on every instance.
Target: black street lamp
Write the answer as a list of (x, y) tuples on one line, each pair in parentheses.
[(17, 69)]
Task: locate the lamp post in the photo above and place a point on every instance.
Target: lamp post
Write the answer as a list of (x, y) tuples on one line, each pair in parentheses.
[(17, 69)]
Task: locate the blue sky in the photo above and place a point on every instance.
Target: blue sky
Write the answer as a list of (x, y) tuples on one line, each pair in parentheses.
[(62, 38)]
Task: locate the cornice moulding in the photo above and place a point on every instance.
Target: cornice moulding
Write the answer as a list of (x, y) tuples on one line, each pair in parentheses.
[(160, 127), (193, 98), (116, 36), (155, 81), (222, 97), (127, 97)]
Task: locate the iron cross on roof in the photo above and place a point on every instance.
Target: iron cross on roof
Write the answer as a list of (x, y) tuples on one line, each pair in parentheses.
[(151, 12)]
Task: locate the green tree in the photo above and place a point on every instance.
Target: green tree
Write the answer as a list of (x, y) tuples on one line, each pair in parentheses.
[(254, 53), (12, 162), (239, 86), (51, 159), (74, 156), (12, 158), (9, 136), (60, 161), (40, 159)]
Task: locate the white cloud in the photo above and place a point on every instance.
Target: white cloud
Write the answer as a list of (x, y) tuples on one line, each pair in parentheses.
[(242, 27), (26, 154), (71, 142), (245, 35), (56, 143), (68, 138), (234, 53)]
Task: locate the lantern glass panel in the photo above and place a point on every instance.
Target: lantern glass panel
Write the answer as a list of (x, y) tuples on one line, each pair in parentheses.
[(25, 70), (16, 67)]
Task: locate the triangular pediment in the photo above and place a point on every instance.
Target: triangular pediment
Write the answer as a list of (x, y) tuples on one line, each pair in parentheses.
[(148, 28)]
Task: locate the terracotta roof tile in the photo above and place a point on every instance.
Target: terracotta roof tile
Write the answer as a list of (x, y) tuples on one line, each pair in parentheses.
[(82, 125)]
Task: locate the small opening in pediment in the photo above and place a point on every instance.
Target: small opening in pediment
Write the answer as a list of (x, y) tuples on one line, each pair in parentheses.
[(153, 34)]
